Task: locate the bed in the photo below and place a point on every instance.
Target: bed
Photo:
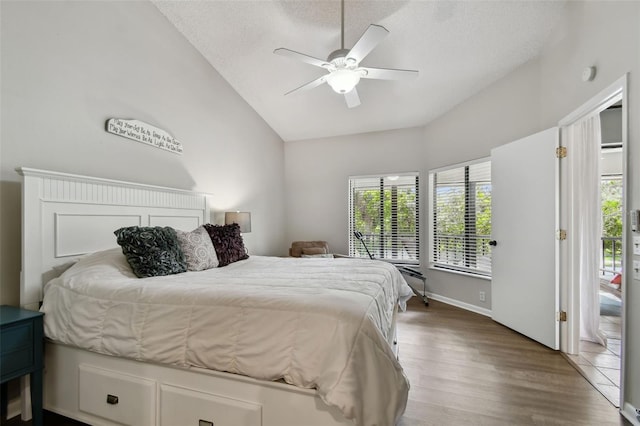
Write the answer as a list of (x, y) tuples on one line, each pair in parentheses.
[(123, 350)]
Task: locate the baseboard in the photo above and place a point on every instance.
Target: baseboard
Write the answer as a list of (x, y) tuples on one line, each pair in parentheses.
[(630, 413), (459, 304)]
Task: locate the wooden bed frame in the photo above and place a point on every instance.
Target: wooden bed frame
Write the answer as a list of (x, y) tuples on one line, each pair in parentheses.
[(66, 216)]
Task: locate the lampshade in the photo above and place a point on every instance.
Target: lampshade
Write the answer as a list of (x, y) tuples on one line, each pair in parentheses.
[(241, 218), (343, 80)]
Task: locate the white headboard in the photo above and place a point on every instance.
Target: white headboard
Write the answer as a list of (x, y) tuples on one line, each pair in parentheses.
[(65, 216)]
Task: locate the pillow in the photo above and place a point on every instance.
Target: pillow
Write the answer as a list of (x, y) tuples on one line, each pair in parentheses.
[(151, 251), (313, 250), (228, 243), (198, 250), (325, 255)]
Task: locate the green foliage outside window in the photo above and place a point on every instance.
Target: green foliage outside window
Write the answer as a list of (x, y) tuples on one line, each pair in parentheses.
[(611, 207), (483, 210), (450, 218), (611, 201), (376, 223), (367, 211)]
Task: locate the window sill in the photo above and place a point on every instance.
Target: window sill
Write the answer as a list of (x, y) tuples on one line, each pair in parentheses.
[(466, 274), (396, 262)]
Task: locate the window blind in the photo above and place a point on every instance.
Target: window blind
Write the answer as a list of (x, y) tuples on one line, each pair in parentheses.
[(461, 218), (385, 209)]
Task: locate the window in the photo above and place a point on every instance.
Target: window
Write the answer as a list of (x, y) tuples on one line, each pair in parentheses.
[(385, 209), (460, 218)]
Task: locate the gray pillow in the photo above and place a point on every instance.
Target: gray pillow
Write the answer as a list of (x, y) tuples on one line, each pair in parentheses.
[(151, 251), (198, 249), (321, 255)]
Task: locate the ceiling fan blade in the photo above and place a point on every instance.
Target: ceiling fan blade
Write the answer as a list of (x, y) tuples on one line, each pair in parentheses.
[(388, 74), (310, 85), (352, 98), (301, 57), (370, 39)]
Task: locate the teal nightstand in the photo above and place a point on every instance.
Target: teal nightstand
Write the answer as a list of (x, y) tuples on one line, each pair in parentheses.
[(21, 339)]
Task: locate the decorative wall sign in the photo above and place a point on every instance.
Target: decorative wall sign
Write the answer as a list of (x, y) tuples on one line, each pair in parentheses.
[(143, 132)]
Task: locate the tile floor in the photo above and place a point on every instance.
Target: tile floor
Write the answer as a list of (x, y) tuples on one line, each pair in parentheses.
[(601, 365)]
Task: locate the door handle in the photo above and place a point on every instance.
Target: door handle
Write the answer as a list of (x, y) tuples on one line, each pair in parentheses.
[(493, 243)]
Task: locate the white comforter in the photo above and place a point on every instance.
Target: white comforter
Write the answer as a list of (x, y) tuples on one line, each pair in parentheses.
[(316, 323)]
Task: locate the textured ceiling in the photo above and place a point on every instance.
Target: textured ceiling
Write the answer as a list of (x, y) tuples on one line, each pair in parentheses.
[(459, 47)]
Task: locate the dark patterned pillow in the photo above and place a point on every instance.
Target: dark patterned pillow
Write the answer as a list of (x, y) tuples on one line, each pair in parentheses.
[(198, 249), (151, 251), (227, 242)]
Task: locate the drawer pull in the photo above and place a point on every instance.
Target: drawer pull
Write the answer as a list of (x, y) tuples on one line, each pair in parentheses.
[(204, 423), (112, 399)]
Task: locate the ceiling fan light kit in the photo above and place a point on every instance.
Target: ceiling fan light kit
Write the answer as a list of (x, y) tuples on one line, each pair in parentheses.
[(343, 81), (343, 65)]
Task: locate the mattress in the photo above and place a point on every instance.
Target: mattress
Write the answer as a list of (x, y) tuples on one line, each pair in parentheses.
[(314, 323)]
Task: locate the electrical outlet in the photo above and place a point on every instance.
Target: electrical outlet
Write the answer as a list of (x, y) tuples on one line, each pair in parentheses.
[(483, 296), (636, 270)]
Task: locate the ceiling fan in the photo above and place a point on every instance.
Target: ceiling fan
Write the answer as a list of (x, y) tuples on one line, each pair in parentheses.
[(344, 67)]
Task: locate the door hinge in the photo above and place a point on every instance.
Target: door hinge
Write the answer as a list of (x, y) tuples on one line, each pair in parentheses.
[(562, 316), (562, 234), (561, 152)]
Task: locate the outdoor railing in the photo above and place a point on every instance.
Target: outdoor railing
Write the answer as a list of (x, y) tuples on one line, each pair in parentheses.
[(611, 255), (450, 249), (405, 248)]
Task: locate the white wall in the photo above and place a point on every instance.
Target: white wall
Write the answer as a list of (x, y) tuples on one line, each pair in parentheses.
[(502, 113), (607, 35), (69, 66), (534, 97), (317, 172)]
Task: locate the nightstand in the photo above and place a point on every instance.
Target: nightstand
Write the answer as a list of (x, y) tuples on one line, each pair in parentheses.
[(21, 339)]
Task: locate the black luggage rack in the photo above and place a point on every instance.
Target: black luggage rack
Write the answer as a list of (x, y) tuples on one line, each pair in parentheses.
[(405, 270)]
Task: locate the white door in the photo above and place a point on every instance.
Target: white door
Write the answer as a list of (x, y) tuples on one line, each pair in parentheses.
[(524, 203)]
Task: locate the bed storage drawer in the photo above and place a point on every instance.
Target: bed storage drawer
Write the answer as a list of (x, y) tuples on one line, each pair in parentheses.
[(121, 398), (186, 407)]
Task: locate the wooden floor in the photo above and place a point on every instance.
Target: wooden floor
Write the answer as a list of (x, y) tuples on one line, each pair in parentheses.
[(466, 369), (50, 419)]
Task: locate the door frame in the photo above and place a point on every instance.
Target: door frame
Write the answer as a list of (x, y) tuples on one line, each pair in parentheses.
[(570, 291)]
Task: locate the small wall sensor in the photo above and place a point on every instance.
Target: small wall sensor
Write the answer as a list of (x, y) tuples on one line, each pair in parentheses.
[(588, 74)]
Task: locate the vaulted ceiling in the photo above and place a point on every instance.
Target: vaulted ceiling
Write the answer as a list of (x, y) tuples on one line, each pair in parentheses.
[(459, 47)]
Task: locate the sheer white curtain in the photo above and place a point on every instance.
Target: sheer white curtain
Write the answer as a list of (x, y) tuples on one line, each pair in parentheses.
[(584, 149)]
